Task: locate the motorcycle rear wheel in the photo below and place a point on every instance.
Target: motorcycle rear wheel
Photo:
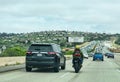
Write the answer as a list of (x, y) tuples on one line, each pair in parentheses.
[(76, 67)]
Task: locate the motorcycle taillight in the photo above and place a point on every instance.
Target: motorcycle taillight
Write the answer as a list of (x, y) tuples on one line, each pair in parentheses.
[(76, 54)]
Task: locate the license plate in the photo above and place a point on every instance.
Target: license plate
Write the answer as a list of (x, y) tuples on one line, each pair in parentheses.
[(39, 54)]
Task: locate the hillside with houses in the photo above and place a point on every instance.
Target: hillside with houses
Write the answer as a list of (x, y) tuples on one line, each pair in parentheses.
[(23, 40)]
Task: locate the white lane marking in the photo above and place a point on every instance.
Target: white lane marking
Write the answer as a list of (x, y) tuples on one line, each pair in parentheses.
[(63, 75)]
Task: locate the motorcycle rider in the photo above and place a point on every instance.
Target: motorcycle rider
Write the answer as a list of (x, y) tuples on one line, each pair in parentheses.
[(78, 51)]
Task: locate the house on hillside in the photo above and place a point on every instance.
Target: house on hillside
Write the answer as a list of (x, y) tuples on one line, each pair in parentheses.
[(3, 48)]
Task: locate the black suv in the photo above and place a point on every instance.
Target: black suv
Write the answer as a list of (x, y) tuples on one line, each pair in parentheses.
[(45, 55)]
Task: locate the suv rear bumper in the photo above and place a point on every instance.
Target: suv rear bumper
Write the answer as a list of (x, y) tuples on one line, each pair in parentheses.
[(40, 64), (98, 58), (111, 56), (43, 62)]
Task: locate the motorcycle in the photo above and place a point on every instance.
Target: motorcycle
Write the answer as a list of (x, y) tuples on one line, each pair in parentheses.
[(77, 62)]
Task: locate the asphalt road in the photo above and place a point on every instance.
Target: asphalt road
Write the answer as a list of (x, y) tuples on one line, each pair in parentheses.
[(92, 71)]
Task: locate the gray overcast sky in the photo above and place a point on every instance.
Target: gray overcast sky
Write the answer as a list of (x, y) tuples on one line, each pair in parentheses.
[(79, 15)]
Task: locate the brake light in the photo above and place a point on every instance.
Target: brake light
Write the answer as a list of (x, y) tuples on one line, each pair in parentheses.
[(52, 53), (29, 52)]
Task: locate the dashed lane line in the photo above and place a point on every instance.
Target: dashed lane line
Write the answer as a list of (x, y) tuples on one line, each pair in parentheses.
[(64, 75)]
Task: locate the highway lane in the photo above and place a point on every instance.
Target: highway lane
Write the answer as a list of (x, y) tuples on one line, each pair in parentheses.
[(92, 71)]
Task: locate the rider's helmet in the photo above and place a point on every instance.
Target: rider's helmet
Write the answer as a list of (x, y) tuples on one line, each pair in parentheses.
[(77, 47)]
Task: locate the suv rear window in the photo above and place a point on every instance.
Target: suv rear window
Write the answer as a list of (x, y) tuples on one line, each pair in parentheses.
[(41, 48)]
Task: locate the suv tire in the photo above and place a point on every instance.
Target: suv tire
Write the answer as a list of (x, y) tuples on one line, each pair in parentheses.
[(64, 65), (28, 69), (56, 69)]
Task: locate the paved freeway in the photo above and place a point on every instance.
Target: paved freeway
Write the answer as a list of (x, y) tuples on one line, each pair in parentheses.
[(92, 71)]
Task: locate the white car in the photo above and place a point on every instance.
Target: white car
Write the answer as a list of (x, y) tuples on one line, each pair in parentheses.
[(85, 54)]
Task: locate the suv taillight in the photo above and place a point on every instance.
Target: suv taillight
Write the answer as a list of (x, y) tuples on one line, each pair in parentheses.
[(29, 53)]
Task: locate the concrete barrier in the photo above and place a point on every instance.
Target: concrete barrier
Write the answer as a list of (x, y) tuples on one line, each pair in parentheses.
[(4, 61)]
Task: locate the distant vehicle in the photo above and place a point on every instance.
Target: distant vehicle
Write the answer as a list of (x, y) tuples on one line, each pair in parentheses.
[(45, 55), (91, 54), (85, 54), (77, 60), (106, 54), (110, 55), (98, 56)]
